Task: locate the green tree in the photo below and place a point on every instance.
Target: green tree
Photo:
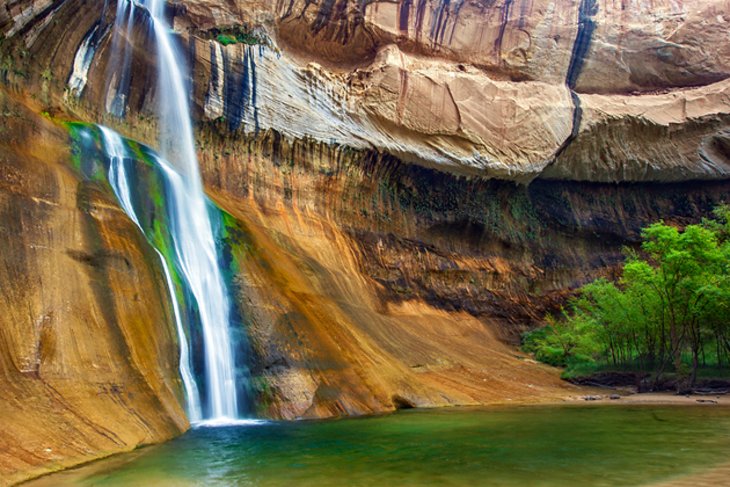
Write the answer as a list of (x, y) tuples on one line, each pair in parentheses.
[(672, 300)]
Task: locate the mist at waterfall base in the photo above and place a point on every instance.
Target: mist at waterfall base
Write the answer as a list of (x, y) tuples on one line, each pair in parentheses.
[(195, 256), (156, 199)]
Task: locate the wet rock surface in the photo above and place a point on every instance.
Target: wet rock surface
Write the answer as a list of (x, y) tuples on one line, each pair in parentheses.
[(88, 354), (376, 155)]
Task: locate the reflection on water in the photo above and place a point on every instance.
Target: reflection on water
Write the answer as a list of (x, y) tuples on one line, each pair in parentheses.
[(540, 446)]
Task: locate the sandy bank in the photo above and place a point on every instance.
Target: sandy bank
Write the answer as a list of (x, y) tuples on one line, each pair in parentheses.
[(650, 398)]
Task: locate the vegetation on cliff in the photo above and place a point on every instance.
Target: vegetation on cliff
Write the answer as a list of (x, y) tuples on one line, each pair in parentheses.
[(668, 312), (236, 34)]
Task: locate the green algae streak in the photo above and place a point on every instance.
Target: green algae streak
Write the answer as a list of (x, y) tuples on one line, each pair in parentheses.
[(524, 446)]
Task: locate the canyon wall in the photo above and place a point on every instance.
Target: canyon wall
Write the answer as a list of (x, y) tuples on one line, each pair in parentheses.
[(413, 183), (586, 90), (89, 361), (369, 284)]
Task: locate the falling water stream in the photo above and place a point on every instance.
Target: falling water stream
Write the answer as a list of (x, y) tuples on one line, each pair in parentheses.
[(190, 227), (119, 180)]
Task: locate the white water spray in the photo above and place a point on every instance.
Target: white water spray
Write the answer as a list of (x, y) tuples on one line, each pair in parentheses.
[(190, 226), (82, 63), (118, 74), (117, 152)]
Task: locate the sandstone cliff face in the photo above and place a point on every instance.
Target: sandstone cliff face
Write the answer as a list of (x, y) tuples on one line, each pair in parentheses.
[(499, 88), (496, 88), (352, 142), (676, 136), (88, 365), (326, 343), (613, 46), (370, 285)]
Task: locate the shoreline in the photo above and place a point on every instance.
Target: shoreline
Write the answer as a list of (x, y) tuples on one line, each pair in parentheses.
[(603, 397)]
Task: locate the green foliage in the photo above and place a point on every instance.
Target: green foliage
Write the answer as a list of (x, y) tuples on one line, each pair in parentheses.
[(563, 342), (226, 39), (668, 311), (238, 35), (6, 64)]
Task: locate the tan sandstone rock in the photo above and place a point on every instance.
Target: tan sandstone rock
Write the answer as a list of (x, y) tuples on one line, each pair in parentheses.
[(397, 76), (88, 352)]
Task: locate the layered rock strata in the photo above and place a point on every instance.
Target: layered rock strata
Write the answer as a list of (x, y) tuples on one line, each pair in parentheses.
[(370, 285), (368, 153), (88, 354), (495, 88)]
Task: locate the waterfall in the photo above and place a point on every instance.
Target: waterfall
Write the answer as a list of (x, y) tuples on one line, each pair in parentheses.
[(119, 74), (195, 253), (119, 181), (82, 62)]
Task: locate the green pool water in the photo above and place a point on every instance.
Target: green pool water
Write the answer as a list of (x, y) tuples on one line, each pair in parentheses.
[(527, 446)]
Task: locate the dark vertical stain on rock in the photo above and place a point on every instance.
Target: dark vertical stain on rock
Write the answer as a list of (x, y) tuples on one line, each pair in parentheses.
[(440, 21), (232, 92), (339, 20), (288, 12), (525, 12), (577, 118), (227, 85), (345, 29), (254, 94), (586, 26), (245, 87), (215, 80), (240, 91), (403, 15), (457, 10), (324, 14), (504, 18), (362, 7), (420, 14)]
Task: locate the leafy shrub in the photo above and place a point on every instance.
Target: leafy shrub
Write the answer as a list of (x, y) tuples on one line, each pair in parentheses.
[(668, 310), (239, 35)]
